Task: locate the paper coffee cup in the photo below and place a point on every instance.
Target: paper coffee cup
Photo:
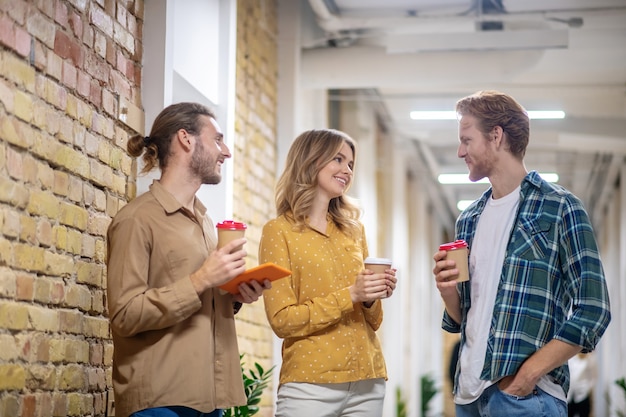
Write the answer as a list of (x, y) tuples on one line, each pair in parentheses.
[(229, 230), (378, 265), (458, 251)]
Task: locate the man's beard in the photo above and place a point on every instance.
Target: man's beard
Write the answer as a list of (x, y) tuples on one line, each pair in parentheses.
[(483, 167), (203, 167)]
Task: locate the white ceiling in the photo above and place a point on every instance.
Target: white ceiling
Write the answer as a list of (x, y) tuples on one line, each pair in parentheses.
[(426, 54)]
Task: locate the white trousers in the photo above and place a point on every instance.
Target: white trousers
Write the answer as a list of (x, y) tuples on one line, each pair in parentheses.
[(351, 399)]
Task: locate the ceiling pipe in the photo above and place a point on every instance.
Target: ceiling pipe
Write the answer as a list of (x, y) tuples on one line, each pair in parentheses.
[(334, 24)]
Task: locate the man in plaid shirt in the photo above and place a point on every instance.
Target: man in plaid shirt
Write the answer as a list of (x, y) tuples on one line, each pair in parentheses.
[(537, 294)]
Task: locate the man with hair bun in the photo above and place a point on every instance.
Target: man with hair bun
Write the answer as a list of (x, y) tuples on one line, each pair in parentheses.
[(175, 346)]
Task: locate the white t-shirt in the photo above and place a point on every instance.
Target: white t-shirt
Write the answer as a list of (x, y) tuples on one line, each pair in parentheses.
[(485, 263)]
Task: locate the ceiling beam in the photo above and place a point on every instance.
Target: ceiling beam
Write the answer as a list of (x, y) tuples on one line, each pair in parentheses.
[(592, 143), (478, 41), (373, 67)]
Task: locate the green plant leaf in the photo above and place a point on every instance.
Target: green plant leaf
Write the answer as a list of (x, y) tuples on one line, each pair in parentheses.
[(429, 390), (254, 383), (400, 404), (259, 368)]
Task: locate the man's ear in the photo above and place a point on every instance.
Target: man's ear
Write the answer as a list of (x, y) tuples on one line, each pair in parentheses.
[(185, 140), (497, 135)]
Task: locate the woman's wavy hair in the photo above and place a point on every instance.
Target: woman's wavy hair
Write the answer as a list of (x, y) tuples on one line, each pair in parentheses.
[(493, 108), (169, 121), (297, 186)]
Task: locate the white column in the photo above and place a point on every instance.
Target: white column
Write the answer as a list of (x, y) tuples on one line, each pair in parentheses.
[(156, 86), (163, 85), (611, 356), (290, 101), (394, 333)]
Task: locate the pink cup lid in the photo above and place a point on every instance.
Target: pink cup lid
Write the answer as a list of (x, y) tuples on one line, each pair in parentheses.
[(457, 244), (231, 225)]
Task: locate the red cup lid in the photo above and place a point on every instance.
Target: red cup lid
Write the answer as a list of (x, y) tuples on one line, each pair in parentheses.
[(457, 244), (231, 225)]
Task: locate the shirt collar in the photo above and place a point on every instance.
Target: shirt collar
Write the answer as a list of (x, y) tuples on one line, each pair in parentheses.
[(169, 203), (532, 178)]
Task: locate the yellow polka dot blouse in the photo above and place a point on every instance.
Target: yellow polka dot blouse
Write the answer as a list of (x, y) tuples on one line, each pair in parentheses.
[(327, 338)]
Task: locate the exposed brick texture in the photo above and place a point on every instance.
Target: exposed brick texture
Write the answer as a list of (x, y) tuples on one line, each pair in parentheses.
[(63, 176), (65, 67), (255, 153)]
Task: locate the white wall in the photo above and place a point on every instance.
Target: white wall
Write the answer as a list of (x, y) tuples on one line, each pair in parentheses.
[(176, 70), (611, 352)]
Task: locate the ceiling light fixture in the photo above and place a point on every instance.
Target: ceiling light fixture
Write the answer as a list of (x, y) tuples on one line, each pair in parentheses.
[(433, 115), (452, 115), (464, 179)]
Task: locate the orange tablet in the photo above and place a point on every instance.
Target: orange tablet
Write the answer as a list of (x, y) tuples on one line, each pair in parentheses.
[(259, 273)]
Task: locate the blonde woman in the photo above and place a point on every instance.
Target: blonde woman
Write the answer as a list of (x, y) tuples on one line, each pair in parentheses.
[(329, 309)]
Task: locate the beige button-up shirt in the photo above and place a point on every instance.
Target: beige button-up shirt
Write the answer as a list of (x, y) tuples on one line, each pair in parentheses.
[(171, 346), (327, 338)]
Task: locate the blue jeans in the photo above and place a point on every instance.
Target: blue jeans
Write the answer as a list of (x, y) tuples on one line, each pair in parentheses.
[(175, 411), (495, 403)]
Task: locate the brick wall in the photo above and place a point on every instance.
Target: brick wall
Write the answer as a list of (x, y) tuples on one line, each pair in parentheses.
[(69, 76), (255, 159), (65, 67)]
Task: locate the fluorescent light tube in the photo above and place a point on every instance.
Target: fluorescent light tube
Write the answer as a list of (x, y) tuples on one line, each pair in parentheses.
[(463, 204), (433, 115), (459, 179), (451, 115)]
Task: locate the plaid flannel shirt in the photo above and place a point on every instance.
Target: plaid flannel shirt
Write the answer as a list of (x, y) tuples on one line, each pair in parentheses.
[(552, 284)]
